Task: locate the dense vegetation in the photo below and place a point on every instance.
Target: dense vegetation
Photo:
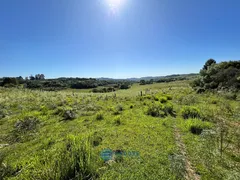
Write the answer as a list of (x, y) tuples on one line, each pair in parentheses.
[(39, 82), (219, 76), (97, 85), (176, 132)]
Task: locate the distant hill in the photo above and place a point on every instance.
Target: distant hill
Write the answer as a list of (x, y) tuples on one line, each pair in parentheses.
[(154, 77)]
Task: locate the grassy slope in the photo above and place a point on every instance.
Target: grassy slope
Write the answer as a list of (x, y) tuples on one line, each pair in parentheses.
[(35, 154)]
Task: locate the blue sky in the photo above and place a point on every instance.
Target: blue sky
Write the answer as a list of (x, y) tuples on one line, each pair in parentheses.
[(119, 39)]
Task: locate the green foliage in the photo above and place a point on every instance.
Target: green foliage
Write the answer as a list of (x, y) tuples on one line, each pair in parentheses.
[(160, 110), (124, 86), (209, 63), (46, 151), (10, 82), (26, 125), (117, 121), (163, 99), (3, 113), (99, 116), (220, 76), (24, 129), (119, 107), (142, 82), (69, 115), (5, 169), (72, 161), (156, 110), (190, 112), (196, 126), (230, 96), (168, 109)]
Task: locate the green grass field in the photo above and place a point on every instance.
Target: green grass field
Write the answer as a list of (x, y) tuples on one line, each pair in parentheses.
[(177, 133)]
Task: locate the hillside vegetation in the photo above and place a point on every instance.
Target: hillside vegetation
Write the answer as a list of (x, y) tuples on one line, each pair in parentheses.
[(177, 133), (149, 130), (220, 76)]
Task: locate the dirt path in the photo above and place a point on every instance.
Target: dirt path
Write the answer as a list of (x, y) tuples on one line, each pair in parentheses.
[(190, 172)]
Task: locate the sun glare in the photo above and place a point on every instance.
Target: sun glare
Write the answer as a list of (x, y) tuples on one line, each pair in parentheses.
[(115, 5)]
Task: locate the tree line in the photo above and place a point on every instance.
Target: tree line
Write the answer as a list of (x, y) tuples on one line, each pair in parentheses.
[(218, 76), (39, 82)]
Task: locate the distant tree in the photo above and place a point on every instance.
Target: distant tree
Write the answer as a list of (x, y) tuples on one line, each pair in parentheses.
[(142, 82), (31, 77), (42, 77), (208, 63), (220, 76), (10, 81), (37, 76), (20, 80), (26, 78), (151, 81)]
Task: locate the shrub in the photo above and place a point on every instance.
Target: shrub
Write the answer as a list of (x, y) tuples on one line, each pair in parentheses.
[(169, 97), (163, 99), (24, 129), (196, 129), (147, 97), (96, 141), (189, 99), (200, 90), (214, 101), (5, 169), (168, 109), (74, 161), (117, 121), (156, 110), (197, 126), (3, 113), (99, 116), (190, 112), (69, 115), (119, 107), (27, 124), (231, 96)]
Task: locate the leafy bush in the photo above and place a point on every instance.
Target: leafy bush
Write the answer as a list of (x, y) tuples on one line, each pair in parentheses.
[(231, 96), (196, 129), (3, 113), (188, 99), (99, 116), (66, 113), (168, 109), (117, 121), (163, 99), (222, 76), (75, 160), (169, 97), (214, 101), (69, 115), (5, 169), (190, 112), (119, 107), (27, 124), (156, 110), (24, 130), (197, 126)]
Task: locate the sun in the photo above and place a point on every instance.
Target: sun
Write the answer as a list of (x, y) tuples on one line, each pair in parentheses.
[(115, 5)]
